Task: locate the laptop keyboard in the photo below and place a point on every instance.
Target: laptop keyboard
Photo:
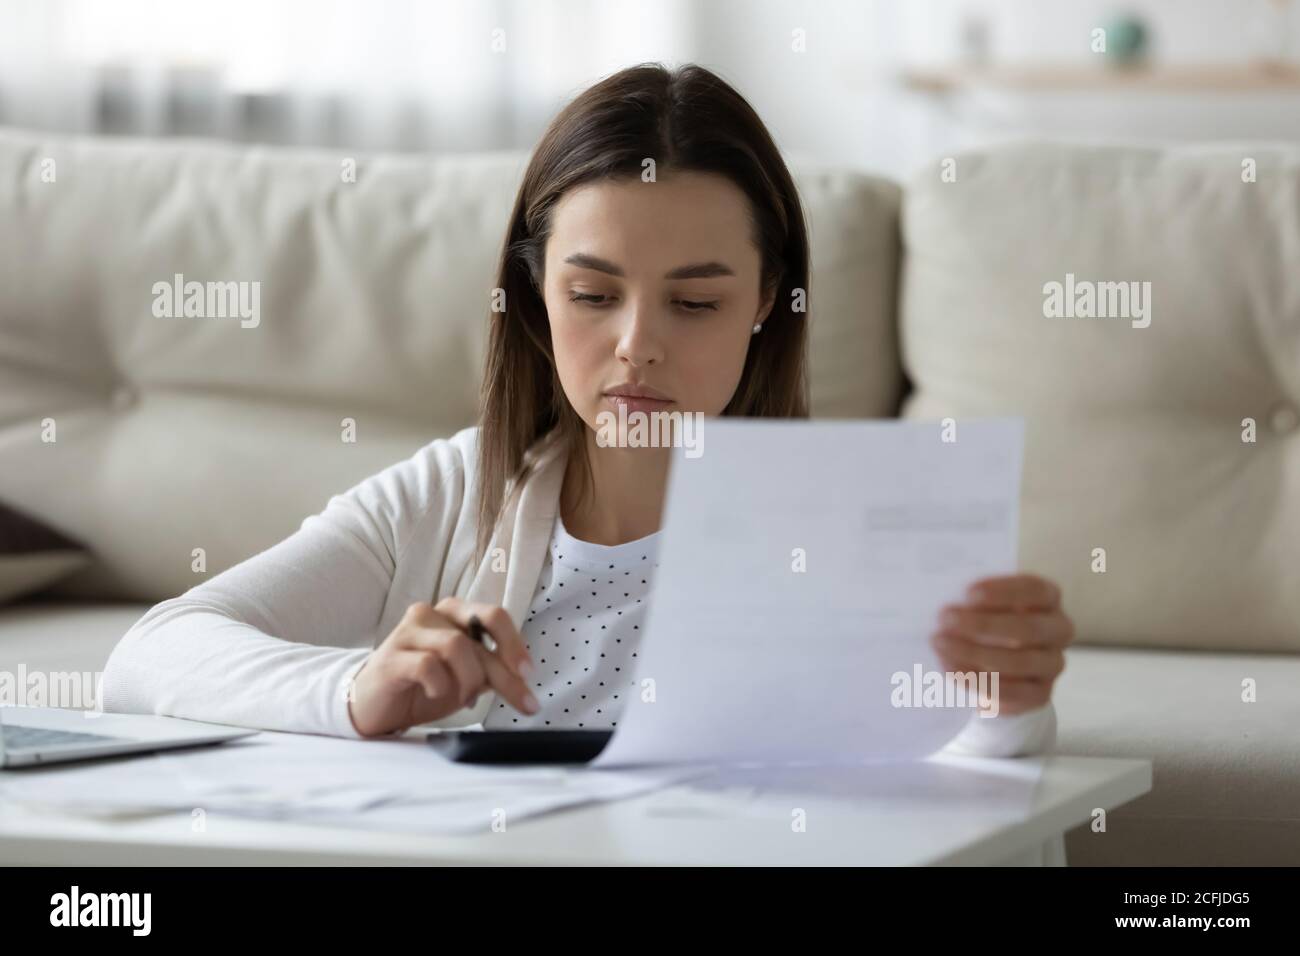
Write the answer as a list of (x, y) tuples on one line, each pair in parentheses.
[(32, 738)]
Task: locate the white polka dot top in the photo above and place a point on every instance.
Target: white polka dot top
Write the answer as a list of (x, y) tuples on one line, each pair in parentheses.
[(583, 630)]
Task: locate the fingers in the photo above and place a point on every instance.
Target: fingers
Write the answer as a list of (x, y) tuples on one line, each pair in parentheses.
[(429, 672), (1024, 678), (1012, 626), (507, 683), (960, 654), (440, 691), (509, 643), (1028, 591), (464, 658), (1008, 629), (443, 666), (470, 667), (423, 614), (1016, 695)]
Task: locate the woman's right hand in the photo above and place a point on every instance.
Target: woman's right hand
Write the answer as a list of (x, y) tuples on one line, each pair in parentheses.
[(429, 667)]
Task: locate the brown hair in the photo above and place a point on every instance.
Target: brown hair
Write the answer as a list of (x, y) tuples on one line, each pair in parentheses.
[(684, 119)]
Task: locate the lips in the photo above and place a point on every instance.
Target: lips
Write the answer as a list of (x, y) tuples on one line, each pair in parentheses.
[(637, 391), (638, 398)]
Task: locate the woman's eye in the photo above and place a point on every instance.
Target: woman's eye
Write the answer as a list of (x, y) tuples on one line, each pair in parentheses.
[(689, 305), (697, 306)]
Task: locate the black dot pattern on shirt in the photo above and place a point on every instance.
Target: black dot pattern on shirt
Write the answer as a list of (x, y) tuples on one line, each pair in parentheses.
[(591, 662)]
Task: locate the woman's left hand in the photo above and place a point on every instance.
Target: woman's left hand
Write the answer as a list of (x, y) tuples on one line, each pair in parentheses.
[(1013, 626)]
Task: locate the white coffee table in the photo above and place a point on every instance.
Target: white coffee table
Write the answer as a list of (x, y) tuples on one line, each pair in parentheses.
[(902, 822)]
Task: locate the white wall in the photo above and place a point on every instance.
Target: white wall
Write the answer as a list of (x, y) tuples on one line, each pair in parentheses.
[(839, 100)]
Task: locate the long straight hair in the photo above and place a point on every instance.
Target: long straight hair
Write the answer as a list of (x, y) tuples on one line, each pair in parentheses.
[(683, 119)]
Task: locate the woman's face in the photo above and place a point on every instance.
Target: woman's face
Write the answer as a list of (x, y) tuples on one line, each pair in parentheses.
[(652, 288)]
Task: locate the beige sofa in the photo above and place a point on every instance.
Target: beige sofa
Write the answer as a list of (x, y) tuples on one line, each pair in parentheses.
[(183, 445)]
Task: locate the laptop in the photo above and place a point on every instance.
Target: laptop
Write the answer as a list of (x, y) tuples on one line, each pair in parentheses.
[(31, 736)]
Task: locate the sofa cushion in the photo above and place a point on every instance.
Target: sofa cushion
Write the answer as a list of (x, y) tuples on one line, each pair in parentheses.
[(1225, 772), (197, 442), (1135, 449)]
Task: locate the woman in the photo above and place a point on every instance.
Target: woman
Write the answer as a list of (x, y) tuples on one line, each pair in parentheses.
[(653, 261)]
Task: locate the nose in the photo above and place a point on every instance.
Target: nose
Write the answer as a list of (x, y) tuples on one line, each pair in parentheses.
[(639, 341)]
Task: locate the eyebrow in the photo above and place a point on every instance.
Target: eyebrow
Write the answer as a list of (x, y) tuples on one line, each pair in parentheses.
[(696, 270)]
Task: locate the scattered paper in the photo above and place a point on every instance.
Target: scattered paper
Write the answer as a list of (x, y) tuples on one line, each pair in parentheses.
[(959, 786), (402, 784)]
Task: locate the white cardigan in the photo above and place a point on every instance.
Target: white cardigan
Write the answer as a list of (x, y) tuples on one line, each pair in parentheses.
[(274, 642)]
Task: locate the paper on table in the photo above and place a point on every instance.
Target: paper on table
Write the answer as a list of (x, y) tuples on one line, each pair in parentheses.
[(372, 784), (940, 783), (746, 657)]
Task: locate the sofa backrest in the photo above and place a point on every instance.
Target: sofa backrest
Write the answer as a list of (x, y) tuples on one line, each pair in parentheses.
[(1140, 447), (174, 434)]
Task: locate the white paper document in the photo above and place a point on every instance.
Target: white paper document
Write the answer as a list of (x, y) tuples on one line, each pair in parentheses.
[(402, 785), (801, 574), (939, 784)]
